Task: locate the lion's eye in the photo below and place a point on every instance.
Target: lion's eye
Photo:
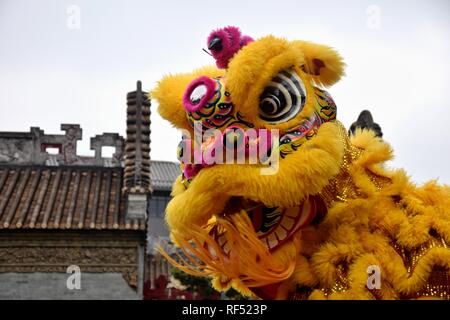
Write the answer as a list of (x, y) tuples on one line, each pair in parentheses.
[(283, 98)]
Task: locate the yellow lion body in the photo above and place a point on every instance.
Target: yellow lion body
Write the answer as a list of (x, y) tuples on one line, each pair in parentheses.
[(368, 220)]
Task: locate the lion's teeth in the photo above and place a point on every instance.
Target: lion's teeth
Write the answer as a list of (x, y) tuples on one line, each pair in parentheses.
[(305, 214), (272, 240), (221, 239), (226, 248), (287, 222), (281, 233)]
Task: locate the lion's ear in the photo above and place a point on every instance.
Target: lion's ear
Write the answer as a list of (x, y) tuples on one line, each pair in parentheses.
[(322, 63), (169, 94)]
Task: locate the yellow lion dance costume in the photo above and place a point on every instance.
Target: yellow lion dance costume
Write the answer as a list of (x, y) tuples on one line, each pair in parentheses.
[(331, 222)]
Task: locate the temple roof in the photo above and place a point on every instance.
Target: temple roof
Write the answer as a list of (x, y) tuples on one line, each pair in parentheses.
[(64, 190), (71, 197), (163, 174), (39, 197)]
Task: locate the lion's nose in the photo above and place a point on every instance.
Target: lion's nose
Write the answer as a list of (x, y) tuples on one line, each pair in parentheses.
[(198, 93)]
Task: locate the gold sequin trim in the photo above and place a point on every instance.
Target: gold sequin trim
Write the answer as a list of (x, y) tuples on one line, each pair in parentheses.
[(341, 284), (438, 284), (342, 187)]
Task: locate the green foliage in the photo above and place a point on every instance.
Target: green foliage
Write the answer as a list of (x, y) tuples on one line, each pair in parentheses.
[(202, 285), (194, 284)]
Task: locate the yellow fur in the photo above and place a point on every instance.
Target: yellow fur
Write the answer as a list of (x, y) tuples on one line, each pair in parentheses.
[(362, 231), (238, 269), (375, 216), (254, 66), (333, 68)]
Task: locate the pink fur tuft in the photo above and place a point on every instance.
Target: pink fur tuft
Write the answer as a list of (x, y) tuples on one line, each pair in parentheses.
[(246, 40), (232, 41)]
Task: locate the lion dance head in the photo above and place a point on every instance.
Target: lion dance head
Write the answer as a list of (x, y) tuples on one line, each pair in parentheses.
[(255, 153)]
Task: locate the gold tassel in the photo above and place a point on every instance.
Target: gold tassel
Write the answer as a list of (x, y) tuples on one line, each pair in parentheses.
[(248, 262)]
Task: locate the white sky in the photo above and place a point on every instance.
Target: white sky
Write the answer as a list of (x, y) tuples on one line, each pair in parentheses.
[(398, 65)]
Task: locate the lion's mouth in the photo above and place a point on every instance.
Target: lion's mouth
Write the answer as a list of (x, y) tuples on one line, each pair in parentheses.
[(273, 226)]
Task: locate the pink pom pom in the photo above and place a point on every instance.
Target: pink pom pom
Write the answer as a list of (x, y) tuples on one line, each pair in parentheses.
[(225, 43)]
